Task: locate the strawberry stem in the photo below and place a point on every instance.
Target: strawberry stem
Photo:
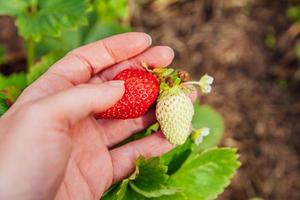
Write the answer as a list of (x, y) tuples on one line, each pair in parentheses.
[(204, 83), (191, 83)]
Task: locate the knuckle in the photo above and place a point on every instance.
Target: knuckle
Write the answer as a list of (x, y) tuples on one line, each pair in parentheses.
[(110, 52)]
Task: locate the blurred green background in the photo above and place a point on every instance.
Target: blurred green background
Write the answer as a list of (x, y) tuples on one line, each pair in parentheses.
[(251, 47)]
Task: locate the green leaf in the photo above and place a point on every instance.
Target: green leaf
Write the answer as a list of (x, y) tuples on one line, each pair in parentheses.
[(201, 176), (205, 116), (151, 129), (47, 17), (71, 39), (132, 195), (17, 80), (101, 30), (150, 177), (111, 10), (39, 68), (177, 196), (117, 191), (294, 13), (11, 93), (176, 157), (3, 104), (68, 40), (111, 193), (7, 97), (122, 191), (12, 7), (148, 181), (204, 176)]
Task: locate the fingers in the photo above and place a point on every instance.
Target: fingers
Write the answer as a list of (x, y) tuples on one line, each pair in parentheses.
[(118, 130), (156, 56), (72, 105), (124, 157), (159, 56), (82, 63)]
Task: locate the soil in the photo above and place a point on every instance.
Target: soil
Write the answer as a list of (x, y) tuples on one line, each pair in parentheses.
[(13, 44), (256, 88)]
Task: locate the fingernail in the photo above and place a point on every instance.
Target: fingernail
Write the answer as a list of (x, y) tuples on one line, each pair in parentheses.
[(149, 39), (171, 51), (117, 83)]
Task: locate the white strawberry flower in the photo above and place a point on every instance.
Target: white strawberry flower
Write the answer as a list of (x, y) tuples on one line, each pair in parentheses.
[(199, 134), (205, 83)]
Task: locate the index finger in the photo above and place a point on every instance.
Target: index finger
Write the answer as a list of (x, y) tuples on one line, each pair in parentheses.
[(79, 65), (82, 63)]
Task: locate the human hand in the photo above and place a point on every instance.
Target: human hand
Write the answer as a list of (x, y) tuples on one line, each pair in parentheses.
[(51, 146)]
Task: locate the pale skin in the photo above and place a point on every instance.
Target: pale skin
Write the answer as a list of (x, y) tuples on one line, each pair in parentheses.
[(51, 146)]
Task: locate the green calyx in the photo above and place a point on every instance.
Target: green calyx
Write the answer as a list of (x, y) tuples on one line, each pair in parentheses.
[(171, 91)]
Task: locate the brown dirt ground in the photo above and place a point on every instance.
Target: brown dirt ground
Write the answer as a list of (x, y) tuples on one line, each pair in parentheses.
[(14, 46), (226, 38)]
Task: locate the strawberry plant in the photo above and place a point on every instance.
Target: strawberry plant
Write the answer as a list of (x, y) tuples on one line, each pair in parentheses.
[(195, 168), (51, 28)]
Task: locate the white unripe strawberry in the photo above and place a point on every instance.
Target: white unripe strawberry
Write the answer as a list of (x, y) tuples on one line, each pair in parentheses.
[(174, 112)]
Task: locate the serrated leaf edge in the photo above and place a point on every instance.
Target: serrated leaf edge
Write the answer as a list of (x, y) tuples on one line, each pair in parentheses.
[(227, 182)]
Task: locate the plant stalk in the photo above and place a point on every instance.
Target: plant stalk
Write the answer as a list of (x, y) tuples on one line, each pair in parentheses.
[(30, 54)]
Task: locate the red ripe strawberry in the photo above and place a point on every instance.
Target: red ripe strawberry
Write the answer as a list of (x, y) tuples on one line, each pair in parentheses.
[(141, 90)]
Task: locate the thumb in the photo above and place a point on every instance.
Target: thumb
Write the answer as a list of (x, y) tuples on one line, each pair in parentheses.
[(29, 151), (79, 102)]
